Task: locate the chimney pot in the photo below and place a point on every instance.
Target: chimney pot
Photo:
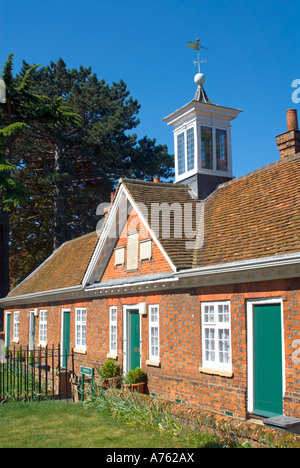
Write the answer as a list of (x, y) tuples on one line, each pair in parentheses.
[(292, 119), (289, 142), (156, 179)]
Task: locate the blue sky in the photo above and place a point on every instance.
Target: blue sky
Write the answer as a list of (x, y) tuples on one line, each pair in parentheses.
[(252, 58)]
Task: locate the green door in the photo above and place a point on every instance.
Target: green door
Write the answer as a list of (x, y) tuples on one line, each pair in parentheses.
[(65, 338), (268, 388), (134, 340), (7, 330)]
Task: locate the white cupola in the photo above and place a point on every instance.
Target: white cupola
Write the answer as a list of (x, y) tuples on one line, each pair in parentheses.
[(202, 142)]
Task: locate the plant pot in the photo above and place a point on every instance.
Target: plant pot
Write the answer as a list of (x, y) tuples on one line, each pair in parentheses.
[(112, 382), (137, 387)]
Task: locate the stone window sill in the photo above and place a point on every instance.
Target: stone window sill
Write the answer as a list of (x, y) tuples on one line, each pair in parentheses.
[(221, 373), (153, 363), (112, 356), (80, 351)]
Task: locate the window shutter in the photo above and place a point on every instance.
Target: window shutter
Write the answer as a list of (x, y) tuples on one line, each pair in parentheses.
[(132, 251)]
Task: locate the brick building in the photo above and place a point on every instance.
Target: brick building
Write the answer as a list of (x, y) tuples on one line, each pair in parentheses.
[(197, 281)]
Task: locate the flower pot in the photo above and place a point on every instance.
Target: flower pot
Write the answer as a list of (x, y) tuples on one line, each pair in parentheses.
[(112, 382), (137, 387)]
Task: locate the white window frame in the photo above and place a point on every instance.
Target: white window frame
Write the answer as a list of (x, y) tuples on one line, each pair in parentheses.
[(16, 332), (214, 169), (152, 326), (43, 327), (250, 345), (113, 330), (217, 325), (183, 130), (80, 342)]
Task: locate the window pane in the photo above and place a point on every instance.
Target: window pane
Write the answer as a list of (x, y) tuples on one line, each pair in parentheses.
[(209, 314), (206, 148), (154, 332), (224, 346), (181, 153), (190, 149), (209, 344), (221, 150)]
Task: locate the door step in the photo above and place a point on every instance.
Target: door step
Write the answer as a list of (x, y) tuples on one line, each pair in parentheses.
[(285, 423)]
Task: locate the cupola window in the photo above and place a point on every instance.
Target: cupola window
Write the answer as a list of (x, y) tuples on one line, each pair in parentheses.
[(221, 150), (206, 148), (186, 151)]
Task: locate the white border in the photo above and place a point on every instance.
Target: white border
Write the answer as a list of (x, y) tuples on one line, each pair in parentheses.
[(80, 347), (6, 333), (208, 364), (31, 321), (126, 308), (112, 352), (43, 342), (250, 347), (154, 358), (64, 309), (16, 338)]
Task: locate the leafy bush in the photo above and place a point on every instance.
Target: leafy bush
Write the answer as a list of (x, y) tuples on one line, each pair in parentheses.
[(109, 369), (135, 376)]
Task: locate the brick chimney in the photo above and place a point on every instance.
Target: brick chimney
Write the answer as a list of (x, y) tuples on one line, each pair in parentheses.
[(289, 142)]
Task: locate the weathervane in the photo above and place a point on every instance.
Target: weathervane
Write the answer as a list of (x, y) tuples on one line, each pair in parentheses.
[(197, 46), (199, 79)]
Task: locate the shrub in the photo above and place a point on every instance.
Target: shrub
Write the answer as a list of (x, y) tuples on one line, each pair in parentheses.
[(109, 369), (135, 376)]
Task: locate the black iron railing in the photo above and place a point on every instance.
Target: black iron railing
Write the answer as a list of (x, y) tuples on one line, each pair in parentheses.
[(29, 374)]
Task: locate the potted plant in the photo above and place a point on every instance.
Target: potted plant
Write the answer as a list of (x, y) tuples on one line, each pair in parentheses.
[(110, 373), (135, 380)]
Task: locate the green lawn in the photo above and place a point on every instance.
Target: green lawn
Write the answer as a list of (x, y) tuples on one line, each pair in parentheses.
[(67, 425)]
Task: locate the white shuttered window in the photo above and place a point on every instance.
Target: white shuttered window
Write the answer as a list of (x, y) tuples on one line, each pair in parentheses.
[(113, 330), (216, 339), (80, 328), (154, 332)]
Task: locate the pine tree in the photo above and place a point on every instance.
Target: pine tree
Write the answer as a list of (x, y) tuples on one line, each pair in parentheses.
[(71, 167), (21, 112)]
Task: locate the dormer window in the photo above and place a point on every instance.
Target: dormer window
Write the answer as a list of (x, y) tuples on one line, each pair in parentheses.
[(186, 151)]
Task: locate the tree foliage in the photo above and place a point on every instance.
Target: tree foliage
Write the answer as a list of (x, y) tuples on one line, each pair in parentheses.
[(77, 143)]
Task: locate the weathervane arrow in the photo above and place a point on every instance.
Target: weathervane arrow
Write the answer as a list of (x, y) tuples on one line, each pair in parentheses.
[(197, 46)]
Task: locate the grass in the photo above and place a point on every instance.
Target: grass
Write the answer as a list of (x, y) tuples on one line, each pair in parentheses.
[(56, 424)]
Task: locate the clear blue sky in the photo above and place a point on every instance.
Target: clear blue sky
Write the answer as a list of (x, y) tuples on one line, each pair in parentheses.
[(252, 58)]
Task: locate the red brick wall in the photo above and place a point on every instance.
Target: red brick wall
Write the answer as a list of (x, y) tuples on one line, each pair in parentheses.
[(180, 342)]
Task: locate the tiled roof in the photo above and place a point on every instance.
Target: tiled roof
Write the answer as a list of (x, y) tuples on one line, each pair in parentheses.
[(65, 268), (254, 216), (251, 217)]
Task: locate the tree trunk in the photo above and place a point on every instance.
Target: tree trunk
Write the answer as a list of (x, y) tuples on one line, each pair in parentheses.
[(4, 259), (59, 233), (4, 235)]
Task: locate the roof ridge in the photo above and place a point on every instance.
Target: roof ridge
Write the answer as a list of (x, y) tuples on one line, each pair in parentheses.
[(150, 182), (260, 170)]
